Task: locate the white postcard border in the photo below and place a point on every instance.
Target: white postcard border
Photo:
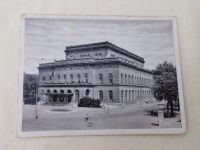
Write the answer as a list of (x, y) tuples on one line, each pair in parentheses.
[(99, 131)]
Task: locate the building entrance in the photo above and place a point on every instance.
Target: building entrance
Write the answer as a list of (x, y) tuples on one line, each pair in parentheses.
[(54, 98)]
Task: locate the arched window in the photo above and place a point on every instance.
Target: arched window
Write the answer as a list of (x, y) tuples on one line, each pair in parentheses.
[(110, 78), (43, 78), (69, 91), (48, 91), (61, 96), (133, 97), (122, 95), (76, 95), (101, 95), (79, 78), (129, 96), (110, 95), (142, 93), (55, 91), (129, 80), (125, 96), (87, 92)]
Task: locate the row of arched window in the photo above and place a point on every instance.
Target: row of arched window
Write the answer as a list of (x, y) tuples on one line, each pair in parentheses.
[(56, 91), (128, 95), (135, 80), (110, 95)]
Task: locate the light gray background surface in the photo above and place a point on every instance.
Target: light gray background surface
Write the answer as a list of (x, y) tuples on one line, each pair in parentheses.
[(187, 13)]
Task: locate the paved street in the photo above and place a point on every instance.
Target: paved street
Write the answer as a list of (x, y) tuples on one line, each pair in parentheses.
[(133, 116)]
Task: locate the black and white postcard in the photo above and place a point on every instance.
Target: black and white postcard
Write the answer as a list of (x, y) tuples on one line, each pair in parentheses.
[(100, 75)]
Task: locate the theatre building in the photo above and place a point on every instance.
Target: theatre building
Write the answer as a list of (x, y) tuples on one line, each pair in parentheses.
[(98, 70)]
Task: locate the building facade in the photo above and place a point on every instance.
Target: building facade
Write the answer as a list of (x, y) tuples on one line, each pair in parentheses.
[(99, 70)]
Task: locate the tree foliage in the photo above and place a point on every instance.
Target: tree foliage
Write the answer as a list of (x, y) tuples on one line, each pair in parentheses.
[(30, 84), (165, 84)]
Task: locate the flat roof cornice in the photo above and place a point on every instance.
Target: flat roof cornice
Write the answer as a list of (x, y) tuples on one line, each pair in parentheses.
[(82, 62)]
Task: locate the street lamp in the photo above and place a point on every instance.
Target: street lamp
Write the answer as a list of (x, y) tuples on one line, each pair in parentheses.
[(36, 99), (108, 104), (36, 91), (34, 87)]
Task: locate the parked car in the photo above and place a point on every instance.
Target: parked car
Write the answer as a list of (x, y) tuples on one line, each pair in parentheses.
[(89, 102)]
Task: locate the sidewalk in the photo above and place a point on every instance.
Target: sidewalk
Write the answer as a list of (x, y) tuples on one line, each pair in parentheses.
[(133, 116)]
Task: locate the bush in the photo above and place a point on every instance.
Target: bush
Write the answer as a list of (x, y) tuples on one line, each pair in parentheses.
[(29, 100), (89, 102)]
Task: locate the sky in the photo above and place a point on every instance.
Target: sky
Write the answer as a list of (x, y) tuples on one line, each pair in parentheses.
[(45, 39)]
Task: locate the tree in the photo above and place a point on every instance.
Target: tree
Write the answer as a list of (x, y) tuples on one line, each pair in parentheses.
[(165, 85), (30, 84)]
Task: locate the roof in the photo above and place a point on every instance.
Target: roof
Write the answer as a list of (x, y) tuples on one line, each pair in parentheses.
[(105, 44)]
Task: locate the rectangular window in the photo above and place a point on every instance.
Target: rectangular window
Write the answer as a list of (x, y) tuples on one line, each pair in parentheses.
[(110, 78), (129, 81), (122, 79), (79, 78), (125, 79), (43, 78), (86, 77), (101, 78), (58, 77), (135, 82), (72, 78), (64, 76), (132, 78)]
